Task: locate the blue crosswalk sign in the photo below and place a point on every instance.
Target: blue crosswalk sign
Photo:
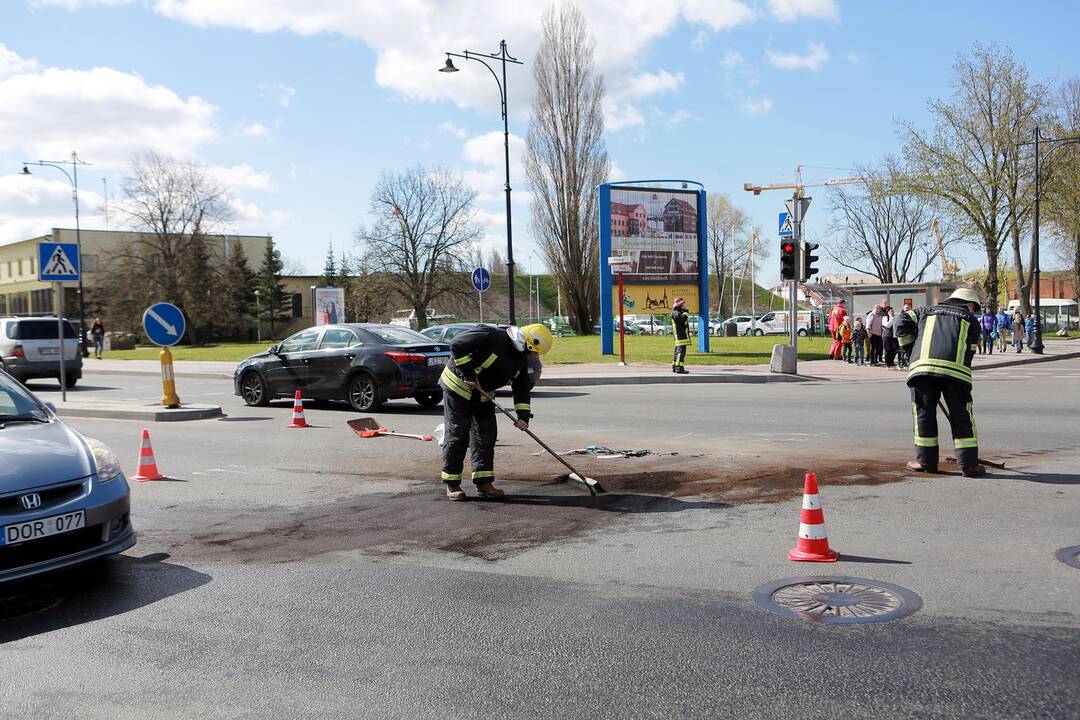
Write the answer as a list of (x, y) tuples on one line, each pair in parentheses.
[(58, 262), (786, 228), (164, 324)]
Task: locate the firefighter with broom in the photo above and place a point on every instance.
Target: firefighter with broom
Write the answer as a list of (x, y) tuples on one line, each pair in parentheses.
[(680, 326), (484, 359), (945, 339)]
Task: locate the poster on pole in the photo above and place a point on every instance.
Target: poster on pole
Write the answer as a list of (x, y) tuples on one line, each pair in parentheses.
[(329, 305)]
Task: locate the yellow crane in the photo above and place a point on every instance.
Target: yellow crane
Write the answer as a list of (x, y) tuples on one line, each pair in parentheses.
[(799, 186), (949, 269)]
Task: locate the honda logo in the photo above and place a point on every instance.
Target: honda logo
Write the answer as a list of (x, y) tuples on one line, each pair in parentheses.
[(31, 501)]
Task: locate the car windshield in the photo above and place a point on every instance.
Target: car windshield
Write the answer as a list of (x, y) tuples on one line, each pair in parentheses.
[(16, 401), (397, 336)]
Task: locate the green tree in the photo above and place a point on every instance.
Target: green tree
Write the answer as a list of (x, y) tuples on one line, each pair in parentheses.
[(1061, 194), (331, 272), (238, 285), (198, 288), (270, 285)]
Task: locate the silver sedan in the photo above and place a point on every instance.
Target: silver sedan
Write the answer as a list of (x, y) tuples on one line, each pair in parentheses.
[(63, 497)]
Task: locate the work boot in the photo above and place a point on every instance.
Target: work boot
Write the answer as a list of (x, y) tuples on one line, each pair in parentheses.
[(675, 369), (974, 471), (489, 490), (454, 492), (681, 371), (916, 466)]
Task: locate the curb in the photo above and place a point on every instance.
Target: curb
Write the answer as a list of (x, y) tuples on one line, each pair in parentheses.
[(571, 381), (144, 412), (156, 373), (1031, 360)]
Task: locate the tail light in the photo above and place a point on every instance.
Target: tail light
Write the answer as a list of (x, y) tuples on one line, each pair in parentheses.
[(18, 352), (401, 357)]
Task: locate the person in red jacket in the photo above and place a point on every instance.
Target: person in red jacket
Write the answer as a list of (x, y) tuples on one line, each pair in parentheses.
[(836, 319)]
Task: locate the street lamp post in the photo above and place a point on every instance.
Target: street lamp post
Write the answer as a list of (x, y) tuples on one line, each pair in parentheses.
[(503, 57), (258, 325), (73, 178), (1038, 140)]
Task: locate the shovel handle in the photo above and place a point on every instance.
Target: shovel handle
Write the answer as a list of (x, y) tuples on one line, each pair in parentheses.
[(530, 433)]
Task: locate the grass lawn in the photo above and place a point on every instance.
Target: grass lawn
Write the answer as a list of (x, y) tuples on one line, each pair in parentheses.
[(639, 349)]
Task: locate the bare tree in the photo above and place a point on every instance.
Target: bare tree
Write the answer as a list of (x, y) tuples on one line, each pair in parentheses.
[(423, 235), (884, 230), (729, 245), (970, 157), (1062, 191), (566, 159)]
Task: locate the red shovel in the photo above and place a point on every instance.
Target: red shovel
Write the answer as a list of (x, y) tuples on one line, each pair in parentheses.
[(370, 427)]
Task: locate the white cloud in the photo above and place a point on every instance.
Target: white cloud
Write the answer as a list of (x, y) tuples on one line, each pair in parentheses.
[(12, 64), (249, 217), (452, 129), (812, 60), (240, 176), (757, 107), (646, 83), (105, 114), (717, 14), (732, 59), (487, 151), (616, 174), (790, 10), (32, 206), (619, 116), (680, 116), (853, 58), (280, 93), (256, 130), (76, 4)]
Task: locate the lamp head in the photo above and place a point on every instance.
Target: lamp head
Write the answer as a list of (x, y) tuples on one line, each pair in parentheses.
[(25, 170), (449, 66)]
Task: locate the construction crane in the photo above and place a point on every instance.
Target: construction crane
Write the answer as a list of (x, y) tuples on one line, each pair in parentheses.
[(799, 186), (949, 269)]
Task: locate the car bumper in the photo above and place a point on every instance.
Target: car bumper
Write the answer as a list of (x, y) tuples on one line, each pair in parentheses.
[(108, 531), (23, 369)]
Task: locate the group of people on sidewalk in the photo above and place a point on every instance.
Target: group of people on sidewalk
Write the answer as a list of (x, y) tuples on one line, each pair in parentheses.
[(1003, 330), (872, 340)]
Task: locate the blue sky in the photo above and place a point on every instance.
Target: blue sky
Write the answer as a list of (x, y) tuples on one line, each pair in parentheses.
[(301, 105)]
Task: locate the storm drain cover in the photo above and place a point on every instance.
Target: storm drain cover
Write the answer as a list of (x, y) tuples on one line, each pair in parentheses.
[(837, 599), (1070, 556)]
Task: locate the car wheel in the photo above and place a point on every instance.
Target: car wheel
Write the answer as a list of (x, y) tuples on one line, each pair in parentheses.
[(759, 332), (69, 382), (253, 389), (363, 393), (802, 333), (429, 399)]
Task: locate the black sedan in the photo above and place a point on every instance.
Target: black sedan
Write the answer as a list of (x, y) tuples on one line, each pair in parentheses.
[(446, 333), (363, 363)]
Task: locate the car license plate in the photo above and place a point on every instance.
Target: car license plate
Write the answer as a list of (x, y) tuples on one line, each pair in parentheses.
[(437, 360), (50, 351), (35, 529)]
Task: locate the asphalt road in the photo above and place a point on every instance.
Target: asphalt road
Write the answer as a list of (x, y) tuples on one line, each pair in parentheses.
[(308, 573)]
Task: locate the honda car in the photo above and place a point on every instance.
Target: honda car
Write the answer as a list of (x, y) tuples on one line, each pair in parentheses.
[(365, 364), (63, 497)]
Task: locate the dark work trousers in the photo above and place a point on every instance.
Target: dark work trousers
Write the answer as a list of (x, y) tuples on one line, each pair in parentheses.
[(890, 350), (875, 349), (678, 359), (925, 393), (468, 423)]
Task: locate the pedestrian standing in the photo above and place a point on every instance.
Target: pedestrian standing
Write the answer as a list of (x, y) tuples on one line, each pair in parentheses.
[(680, 321), (97, 334), (858, 341), (945, 340), (905, 338), (989, 332), (1018, 331), (888, 325), (1029, 329), (836, 319), (1004, 326), (844, 335), (874, 331)]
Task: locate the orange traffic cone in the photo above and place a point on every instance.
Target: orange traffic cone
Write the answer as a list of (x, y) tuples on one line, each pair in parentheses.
[(298, 420), (813, 542), (147, 464)]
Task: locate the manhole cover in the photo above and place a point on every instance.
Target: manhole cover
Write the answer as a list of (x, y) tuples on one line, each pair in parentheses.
[(837, 599), (14, 604), (1070, 556)]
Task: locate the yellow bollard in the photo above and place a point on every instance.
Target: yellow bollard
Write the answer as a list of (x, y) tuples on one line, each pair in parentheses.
[(169, 397)]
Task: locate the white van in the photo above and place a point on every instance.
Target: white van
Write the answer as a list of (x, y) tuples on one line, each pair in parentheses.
[(776, 323)]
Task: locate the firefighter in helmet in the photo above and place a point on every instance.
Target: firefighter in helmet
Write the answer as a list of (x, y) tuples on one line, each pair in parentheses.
[(484, 359), (945, 338), (680, 322)]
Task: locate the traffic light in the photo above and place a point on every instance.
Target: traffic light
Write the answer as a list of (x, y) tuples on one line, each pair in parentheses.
[(787, 260), (806, 268)]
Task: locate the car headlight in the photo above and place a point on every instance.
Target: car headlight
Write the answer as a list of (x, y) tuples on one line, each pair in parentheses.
[(106, 464)]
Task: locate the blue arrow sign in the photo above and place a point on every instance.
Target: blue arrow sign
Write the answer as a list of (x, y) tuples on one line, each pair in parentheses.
[(58, 262), (164, 324), (786, 228), (481, 279)]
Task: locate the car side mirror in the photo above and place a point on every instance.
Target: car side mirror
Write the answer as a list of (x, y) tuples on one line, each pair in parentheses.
[(50, 406), (274, 349)]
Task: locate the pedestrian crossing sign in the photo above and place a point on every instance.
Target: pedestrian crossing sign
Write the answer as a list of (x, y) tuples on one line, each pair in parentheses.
[(786, 228), (58, 262)]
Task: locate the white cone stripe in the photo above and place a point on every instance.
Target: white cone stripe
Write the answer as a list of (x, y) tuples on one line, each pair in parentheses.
[(812, 532), (811, 502), (147, 460)]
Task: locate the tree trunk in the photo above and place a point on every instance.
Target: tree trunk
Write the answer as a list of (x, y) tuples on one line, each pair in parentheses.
[(992, 275), (1023, 284)]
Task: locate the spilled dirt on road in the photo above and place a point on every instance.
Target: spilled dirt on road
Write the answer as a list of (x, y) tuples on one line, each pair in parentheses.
[(535, 512)]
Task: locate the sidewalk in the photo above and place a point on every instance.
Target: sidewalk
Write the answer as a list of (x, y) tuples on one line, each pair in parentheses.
[(638, 374)]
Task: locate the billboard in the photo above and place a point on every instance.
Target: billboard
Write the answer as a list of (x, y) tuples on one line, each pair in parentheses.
[(654, 299), (657, 232), (329, 305)]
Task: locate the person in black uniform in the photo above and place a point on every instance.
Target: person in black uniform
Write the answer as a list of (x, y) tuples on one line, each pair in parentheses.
[(680, 322), (945, 339), (484, 358)]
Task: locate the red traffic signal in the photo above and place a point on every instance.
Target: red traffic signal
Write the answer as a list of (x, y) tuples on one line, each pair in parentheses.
[(787, 260)]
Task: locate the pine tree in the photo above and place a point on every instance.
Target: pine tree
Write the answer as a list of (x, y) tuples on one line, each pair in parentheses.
[(270, 286), (238, 286), (346, 283), (331, 272), (198, 287)]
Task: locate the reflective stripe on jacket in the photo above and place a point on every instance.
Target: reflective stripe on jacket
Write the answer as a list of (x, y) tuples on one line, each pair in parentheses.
[(680, 320), (487, 355), (946, 338)]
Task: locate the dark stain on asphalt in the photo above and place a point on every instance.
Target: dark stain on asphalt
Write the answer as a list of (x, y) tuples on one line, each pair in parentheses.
[(535, 513)]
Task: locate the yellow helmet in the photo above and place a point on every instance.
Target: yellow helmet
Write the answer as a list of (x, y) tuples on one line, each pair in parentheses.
[(538, 338), (966, 295)]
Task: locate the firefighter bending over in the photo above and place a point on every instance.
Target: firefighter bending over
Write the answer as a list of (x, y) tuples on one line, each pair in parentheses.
[(484, 358), (945, 339)]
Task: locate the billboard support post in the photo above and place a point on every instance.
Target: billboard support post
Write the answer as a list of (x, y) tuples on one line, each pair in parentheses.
[(622, 324)]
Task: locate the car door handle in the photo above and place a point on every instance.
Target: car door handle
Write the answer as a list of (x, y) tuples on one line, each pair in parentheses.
[(307, 361), (350, 355)]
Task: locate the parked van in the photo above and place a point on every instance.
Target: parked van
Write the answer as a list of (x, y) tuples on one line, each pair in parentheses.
[(407, 318), (30, 348), (776, 323)]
